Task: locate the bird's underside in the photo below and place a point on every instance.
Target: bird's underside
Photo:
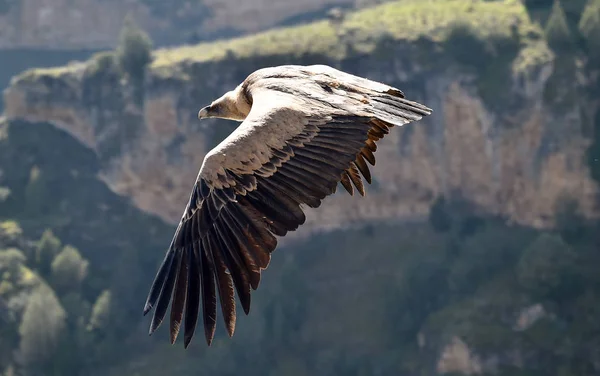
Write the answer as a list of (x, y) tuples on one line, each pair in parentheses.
[(309, 129)]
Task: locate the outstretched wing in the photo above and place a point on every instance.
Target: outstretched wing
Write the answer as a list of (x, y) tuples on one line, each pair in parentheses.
[(246, 196)]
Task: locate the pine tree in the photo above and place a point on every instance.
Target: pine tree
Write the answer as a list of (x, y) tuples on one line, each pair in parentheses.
[(557, 31), (69, 270), (134, 53), (101, 311), (41, 329), (589, 26), (46, 249)]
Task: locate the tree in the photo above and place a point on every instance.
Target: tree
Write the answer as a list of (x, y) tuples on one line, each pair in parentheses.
[(589, 26), (547, 267), (11, 259), (557, 31), (41, 329), (46, 249), (100, 311), (538, 3), (134, 53), (69, 269), (466, 46)]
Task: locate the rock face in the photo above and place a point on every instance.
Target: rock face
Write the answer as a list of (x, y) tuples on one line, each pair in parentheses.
[(514, 158), (92, 24)]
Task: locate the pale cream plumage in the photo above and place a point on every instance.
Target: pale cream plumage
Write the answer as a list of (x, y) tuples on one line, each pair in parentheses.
[(305, 129)]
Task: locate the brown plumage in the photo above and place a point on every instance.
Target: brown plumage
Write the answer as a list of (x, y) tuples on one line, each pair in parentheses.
[(304, 130)]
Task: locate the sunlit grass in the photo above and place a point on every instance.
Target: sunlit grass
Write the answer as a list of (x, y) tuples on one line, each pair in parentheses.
[(411, 19), (318, 37), (400, 20)]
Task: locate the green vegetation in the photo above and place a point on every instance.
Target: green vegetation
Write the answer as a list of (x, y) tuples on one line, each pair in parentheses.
[(402, 21), (46, 250), (72, 246), (589, 27), (507, 43), (133, 51), (133, 54), (557, 29), (593, 152), (105, 62), (362, 294), (69, 270), (76, 260), (406, 20), (41, 327), (99, 320)]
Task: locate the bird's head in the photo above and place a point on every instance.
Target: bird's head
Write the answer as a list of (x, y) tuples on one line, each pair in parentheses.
[(233, 105)]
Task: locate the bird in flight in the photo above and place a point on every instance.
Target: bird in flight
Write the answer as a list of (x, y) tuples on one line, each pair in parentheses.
[(303, 130)]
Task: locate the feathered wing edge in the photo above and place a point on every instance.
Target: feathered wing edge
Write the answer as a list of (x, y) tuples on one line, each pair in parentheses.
[(228, 239)]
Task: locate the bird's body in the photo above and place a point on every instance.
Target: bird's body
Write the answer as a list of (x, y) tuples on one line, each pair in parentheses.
[(304, 130)]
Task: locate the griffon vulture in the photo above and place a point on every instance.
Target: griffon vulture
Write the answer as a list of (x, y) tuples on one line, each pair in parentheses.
[(304, 130)]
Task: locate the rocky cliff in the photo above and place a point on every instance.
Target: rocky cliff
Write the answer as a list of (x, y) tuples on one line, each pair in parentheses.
[(93, 24), (493, 138), (515, 132)]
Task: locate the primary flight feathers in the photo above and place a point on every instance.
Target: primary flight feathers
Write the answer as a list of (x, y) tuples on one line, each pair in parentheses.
[(304, 130)]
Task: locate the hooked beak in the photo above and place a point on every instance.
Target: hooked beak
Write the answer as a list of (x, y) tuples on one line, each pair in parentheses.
[(203, 113)]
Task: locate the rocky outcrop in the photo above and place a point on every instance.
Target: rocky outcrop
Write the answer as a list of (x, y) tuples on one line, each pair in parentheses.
[(94, 24), (510, 153)]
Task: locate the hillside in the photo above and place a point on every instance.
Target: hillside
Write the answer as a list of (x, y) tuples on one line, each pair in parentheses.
[(95, 24), (474, 252), (490, 139)]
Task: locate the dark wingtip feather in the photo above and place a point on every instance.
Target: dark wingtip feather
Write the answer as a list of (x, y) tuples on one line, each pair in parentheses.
[(179, 297), (192, 302), (246, 306), (154, 324), (166, 292), (209, 298), (159, 281)]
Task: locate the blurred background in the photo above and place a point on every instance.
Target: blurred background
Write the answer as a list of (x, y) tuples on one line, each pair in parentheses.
[(475, 252)]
